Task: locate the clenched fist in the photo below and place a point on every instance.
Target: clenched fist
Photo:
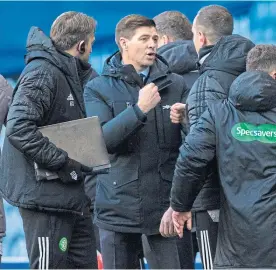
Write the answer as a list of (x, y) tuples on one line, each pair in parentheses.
[(148, 97), (177, 113)]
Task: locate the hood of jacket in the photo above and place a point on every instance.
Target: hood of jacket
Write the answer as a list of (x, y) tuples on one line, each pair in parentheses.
[(180, 55), (253, 91), (229, 55)]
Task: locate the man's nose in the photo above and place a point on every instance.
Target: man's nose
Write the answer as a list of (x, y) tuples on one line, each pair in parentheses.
[(152, 44)]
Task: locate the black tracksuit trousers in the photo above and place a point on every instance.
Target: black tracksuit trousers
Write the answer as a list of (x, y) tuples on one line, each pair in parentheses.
[(56, 240)]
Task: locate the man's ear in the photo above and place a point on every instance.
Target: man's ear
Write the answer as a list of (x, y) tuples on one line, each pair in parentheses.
[(123, 43), (165, 39), (202, 39), (81, 47), (273, 74)]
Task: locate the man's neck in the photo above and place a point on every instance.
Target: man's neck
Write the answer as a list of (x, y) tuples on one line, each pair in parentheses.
[(71, 52)]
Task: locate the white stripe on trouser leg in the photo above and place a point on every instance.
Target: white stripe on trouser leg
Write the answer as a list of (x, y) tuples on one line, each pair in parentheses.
[(202, 249), (47, 253), (209, 250), (141, 265), (206, 250), (40, 252), (43, 253)]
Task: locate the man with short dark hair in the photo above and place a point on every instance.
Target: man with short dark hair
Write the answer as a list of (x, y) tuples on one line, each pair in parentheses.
[(132, 99), (222, 58), (55, 213), (240, 133)]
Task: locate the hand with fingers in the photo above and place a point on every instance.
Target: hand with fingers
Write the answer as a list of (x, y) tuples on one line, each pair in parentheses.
[(179, 220), (177, 113), (166, 226), (149, 97)]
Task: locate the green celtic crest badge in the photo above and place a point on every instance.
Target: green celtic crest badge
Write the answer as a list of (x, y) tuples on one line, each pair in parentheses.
[(63, 244)]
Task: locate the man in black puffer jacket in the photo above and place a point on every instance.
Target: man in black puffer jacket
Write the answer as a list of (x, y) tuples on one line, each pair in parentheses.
[(55, 213), (176, 45), (133, 199), (222, 58), (241, 134)]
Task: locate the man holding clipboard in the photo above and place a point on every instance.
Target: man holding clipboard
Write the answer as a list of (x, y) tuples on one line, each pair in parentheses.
[(55, 212)]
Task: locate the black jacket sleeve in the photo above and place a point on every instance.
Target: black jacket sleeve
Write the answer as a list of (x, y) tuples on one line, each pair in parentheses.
[(30, 106), (205, 91), (116, 129), (195, 154)]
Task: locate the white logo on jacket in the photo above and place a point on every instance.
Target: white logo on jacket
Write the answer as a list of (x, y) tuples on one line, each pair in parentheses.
[(166, 107), (74, 175), (71, 100)]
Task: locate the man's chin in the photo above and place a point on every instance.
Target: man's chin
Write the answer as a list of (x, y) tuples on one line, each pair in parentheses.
[(149, 63), (84, 59)]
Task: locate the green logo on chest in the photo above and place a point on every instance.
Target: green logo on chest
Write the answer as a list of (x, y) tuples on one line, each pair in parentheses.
[(246, 132), (63, 244)]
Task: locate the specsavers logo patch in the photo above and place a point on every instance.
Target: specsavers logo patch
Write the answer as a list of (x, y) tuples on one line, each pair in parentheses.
[(246, 132)]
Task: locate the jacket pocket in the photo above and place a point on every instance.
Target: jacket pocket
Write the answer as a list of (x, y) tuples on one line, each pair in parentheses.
[(169, 134), (117, 197), (166, 170), (166, 186)]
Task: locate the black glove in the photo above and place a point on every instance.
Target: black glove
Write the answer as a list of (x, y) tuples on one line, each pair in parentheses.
[(73, 171)]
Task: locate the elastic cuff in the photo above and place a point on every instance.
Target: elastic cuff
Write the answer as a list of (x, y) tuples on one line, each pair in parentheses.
[(178, 208), (140, 115)]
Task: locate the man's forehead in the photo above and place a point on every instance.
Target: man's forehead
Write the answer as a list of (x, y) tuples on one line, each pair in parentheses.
[(144, 30)]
